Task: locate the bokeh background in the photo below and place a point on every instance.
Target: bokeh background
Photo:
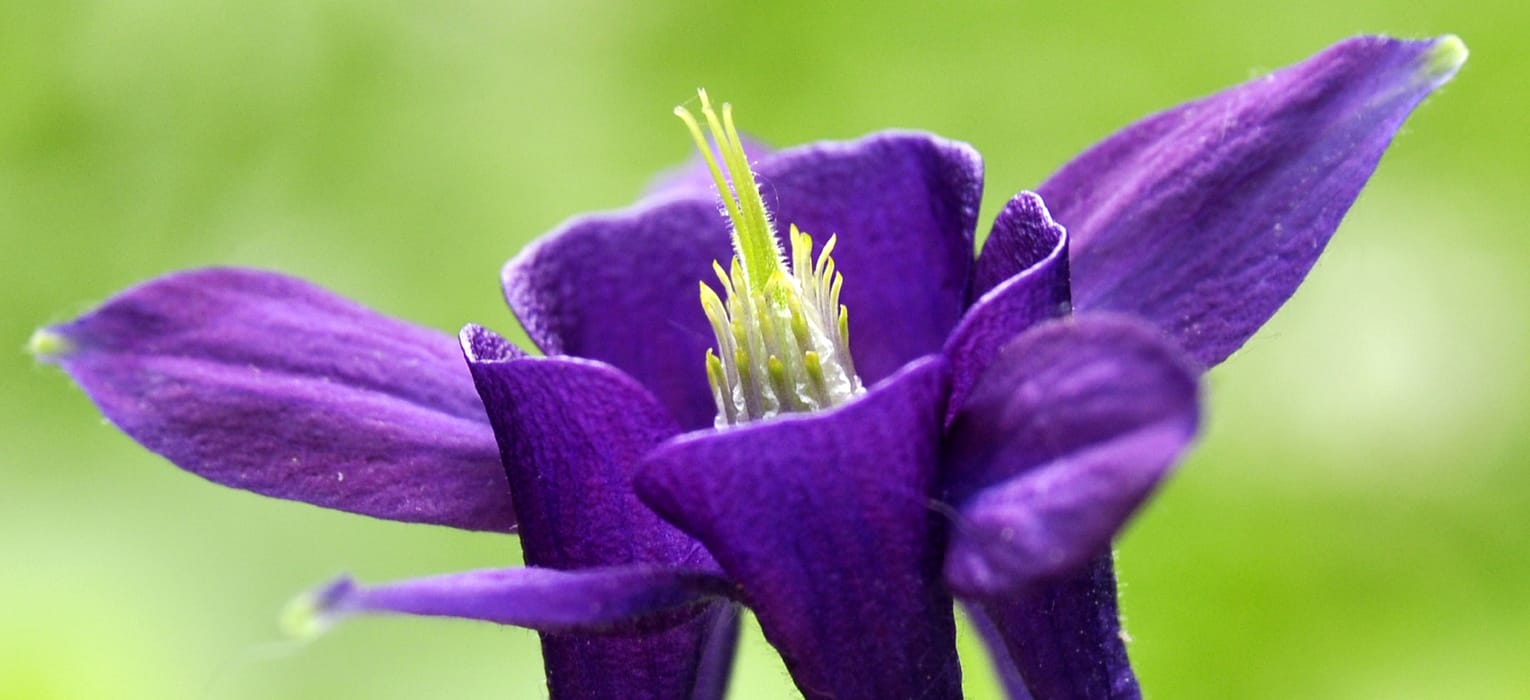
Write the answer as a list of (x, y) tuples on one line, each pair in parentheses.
[(1353, 524)]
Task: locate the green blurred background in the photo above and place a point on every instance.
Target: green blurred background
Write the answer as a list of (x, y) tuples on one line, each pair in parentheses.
[(1352, 526)]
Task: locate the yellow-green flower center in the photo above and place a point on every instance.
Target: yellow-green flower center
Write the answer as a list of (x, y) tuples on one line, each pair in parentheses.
[(783, 337)]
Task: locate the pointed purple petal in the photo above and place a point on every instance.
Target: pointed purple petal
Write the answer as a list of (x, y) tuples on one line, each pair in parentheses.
[(621, 287), (824, 520), (1205, 218), (1063, 438), (1023, 278), (1065, 637), (270, 384), (570, 433), (615, 600)]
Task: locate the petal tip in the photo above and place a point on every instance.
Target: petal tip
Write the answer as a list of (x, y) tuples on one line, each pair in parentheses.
[(1445, 57), (312, 613), (47, 344), (481, 345)]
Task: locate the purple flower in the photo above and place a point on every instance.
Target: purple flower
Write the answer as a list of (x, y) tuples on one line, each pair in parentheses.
[(1001, 419)]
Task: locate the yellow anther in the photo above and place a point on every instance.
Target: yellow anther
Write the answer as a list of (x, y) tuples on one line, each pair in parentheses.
[(47, 343)]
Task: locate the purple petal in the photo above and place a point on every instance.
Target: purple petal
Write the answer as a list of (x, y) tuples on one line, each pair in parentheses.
[(904, 206), (1023, 236), (621, 287), (612, 600), (1065, 637), (1064, 437), (1205, 218), (570, 433), (1023, 278), (824, 520), (270, 384)]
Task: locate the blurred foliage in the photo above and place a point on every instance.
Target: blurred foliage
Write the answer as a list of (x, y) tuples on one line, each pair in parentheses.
[(1352, 525)]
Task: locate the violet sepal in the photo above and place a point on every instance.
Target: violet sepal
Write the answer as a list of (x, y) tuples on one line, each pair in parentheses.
[(270, 384), (1205, 218)]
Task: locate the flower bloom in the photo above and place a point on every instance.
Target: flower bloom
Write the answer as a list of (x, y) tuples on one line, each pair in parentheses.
[(1018, 405)]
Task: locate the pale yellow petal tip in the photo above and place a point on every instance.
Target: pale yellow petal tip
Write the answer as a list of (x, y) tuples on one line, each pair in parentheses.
[(303, 619), (1445, 57), (48, 344)]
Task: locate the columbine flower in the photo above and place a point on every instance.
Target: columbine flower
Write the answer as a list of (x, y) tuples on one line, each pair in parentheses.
[(667, 459)]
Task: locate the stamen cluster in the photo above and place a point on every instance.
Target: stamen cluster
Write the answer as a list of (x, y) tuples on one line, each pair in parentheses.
[(783, 339)]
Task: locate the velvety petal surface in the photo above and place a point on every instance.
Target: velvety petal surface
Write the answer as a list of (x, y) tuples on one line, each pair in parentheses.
[(1206, 217), (1022, 277), (1065, 637), (621, 287), (273, 385), (825, 522), (571, 432), (610, 600), (1064, 437)]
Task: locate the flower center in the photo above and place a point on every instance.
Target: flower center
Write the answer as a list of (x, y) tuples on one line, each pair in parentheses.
[(783, 338)]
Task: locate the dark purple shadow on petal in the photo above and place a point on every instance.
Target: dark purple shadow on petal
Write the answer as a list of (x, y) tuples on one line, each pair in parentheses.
[(266, 383), (824, 520), (1022, 277), (571, 432), (1205, 218), (1065, 637), (613, 600), (1064, 438), (621, 287)]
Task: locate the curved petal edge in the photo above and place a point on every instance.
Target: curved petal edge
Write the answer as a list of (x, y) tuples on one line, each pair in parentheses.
[(1022, 276)]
